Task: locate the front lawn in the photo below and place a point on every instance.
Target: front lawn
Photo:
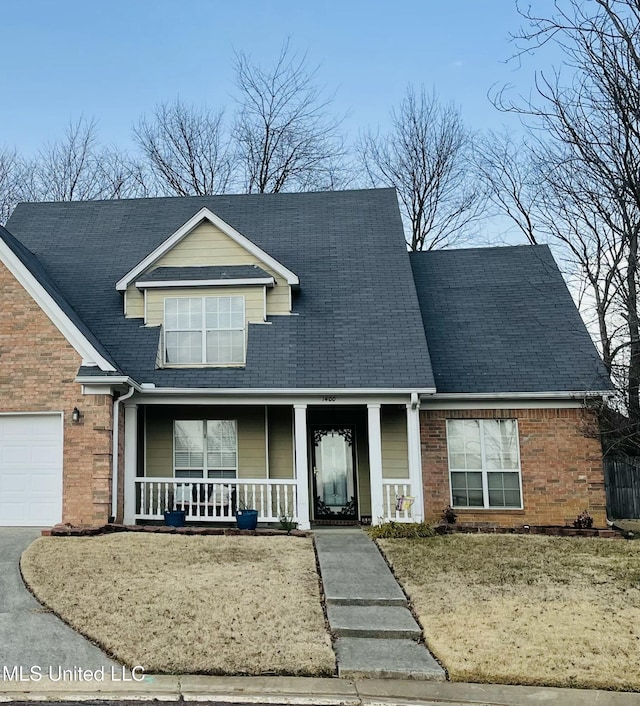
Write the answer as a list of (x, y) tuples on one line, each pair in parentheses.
[(189, 604), (557, 611)]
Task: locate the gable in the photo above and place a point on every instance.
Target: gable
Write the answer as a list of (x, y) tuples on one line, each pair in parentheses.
[(186, 229), (208, 245)]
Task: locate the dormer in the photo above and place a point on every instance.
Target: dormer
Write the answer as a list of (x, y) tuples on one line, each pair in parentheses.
[(204, 285)]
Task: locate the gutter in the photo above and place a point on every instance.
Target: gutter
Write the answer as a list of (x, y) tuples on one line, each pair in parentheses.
[(299, 391), (568, 395), (115, 454)]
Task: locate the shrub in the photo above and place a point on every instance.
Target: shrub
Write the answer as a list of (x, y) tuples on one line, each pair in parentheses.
[(401, 530), (583, 521)]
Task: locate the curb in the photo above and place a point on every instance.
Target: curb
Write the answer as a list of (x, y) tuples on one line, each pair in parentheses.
[(308, 691)]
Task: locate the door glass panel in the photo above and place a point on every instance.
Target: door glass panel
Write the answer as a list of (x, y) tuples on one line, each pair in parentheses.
[(334, 471)]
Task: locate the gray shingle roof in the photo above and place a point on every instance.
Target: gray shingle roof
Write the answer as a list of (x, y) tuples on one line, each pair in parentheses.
[(502, 320), (165, 274), (34, 265), (357, 322)]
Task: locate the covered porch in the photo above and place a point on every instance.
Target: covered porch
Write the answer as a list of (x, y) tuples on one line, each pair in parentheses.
[(324, 461)]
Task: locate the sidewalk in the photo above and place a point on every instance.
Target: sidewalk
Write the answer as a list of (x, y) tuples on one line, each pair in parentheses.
[(326, 692)]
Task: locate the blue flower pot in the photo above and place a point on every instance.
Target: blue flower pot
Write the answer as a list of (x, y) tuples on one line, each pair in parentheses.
[(174, 518), (247, 519)]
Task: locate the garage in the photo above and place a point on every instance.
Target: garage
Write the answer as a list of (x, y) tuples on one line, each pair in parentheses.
[(30, 469)]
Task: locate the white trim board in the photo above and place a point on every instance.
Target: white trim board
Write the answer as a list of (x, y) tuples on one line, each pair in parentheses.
[(204, 214), (79, 342)]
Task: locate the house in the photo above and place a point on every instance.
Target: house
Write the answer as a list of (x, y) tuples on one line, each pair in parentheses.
[(285, 352)]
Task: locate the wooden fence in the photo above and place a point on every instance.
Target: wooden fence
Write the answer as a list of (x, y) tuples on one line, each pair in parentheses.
[(622, 484)]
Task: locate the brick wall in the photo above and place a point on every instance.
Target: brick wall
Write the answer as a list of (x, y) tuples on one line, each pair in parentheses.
[(37, 371), (561, 466)]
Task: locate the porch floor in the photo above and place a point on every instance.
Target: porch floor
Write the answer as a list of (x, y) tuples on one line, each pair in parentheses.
[(368, 611)]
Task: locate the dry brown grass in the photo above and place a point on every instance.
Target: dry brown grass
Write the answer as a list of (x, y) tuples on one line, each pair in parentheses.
[(555, 611), (211, 605)]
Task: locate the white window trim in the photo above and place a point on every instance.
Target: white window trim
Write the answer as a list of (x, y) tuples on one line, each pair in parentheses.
[(205, 466), (484, 471), (203, 330)]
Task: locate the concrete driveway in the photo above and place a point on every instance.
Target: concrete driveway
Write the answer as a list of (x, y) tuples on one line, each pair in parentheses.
[(29, 635)]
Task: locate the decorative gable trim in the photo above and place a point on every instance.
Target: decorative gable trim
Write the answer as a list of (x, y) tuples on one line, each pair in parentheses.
[(205, 214), (80, 343)]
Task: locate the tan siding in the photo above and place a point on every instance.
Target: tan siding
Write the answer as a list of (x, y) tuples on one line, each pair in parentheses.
[(207, 245), (278, 298), (364, 479), (252, 450), (159, 446), (251, 438), (281, 442), (253, 300), (395, 462), (134, 304)]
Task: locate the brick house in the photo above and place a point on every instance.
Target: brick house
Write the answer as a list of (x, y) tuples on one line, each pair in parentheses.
[(285, 352)]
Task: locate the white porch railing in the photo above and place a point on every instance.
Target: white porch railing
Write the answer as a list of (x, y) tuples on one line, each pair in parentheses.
[(396, 507), (216, 500)]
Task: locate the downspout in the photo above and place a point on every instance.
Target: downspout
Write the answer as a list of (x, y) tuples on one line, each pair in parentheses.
[(115, 454)]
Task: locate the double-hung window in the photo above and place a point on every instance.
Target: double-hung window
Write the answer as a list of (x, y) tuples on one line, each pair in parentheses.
[(484, 463), (204, 330), (205, 448)]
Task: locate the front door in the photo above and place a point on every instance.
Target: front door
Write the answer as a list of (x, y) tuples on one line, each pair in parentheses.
[(334, 479)]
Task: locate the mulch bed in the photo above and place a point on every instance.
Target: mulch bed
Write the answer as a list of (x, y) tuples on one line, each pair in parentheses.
[(554, 530), (68, 530)]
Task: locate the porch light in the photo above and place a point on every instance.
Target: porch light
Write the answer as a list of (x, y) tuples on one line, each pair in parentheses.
[(76, 415)]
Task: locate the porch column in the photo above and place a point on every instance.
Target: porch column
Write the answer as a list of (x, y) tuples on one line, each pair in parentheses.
[(375, 463), (415, 460), (302, 464), (130, 462)]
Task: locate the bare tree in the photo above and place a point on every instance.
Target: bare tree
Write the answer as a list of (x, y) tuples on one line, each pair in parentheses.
[(287, 139), (585, 147), (425, 157), (511, 181), (76, 167), (11, 182), (185, 150)]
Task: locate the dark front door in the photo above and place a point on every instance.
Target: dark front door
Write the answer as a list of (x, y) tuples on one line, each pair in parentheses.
[(334, 473)]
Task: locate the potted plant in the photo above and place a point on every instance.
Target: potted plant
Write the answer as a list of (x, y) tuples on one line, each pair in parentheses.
[(246, 518)]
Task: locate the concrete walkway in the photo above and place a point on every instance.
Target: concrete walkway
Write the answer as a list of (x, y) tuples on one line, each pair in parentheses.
[(376, 634), (30, 636)]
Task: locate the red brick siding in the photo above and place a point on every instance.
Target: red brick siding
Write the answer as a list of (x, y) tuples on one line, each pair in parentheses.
[(561, 466), (37, 371)]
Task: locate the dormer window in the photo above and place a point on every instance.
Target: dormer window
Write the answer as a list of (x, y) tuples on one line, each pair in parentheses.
[(204, 330)]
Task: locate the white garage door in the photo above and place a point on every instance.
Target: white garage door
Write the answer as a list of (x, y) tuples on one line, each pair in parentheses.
[(30, 469)]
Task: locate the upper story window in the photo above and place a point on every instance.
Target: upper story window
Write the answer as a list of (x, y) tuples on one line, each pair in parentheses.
[(204, 330)]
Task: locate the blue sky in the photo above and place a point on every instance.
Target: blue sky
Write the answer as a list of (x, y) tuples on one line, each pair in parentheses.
[(114, 61)]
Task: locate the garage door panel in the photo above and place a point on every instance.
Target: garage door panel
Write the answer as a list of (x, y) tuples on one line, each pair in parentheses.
[(30, 469)]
